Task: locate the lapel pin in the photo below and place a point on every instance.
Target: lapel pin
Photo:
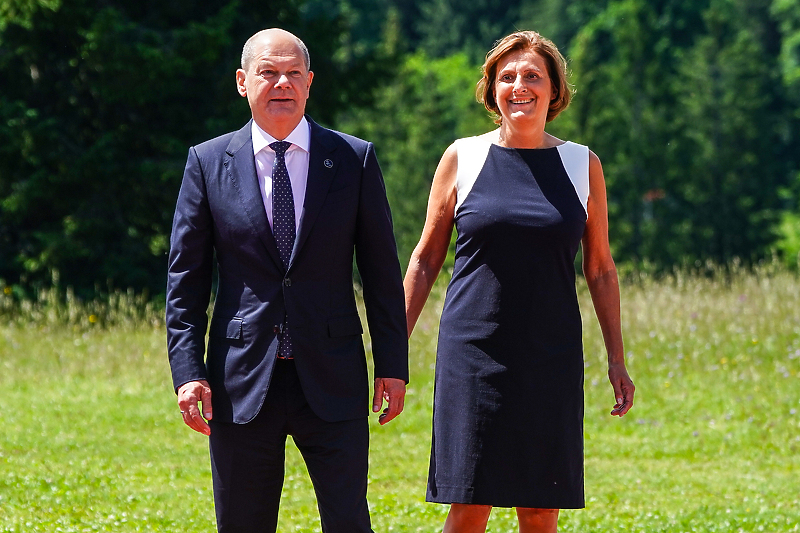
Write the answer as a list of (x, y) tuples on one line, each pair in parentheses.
[(328, 163)]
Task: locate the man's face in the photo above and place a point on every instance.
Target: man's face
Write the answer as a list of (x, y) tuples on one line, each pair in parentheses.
[(276, 83)]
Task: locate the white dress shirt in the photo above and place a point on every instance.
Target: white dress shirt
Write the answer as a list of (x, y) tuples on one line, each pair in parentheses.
[(296, 163)]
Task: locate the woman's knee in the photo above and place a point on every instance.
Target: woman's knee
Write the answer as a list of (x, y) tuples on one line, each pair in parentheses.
[(467, 518), (537, 520)]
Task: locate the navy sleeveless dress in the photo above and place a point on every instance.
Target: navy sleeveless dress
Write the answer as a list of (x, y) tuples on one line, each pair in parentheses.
[(508, 401)]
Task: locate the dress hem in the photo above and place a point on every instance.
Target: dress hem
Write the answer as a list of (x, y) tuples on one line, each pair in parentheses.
[(466, 496)]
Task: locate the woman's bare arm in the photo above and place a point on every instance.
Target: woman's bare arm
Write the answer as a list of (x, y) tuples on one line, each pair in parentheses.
[(429, 255), (601, 277)]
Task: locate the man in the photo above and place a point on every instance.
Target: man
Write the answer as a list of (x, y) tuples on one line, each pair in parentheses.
[(281, 206)]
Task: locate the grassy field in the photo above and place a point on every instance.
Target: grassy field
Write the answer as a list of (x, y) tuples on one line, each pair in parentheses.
[(91, 438)]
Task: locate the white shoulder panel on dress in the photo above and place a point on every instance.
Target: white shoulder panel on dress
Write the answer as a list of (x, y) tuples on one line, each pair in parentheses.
[(471, 153), (575, 158)]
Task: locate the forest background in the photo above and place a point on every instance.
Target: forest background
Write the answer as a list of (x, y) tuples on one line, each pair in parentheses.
[(692, 105)]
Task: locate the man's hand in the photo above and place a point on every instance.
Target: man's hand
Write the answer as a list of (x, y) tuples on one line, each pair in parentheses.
[(394, 392), (188, 396)]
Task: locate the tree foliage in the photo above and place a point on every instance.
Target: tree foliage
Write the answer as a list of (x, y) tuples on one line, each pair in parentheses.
[(693, 124), (693, 107), (100, 102), (422, 111), (93, 114)]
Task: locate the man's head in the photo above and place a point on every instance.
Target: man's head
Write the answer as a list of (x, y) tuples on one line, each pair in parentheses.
[(275, 78)]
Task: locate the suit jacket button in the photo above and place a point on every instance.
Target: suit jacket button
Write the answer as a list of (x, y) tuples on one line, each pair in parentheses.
[(287, 282)]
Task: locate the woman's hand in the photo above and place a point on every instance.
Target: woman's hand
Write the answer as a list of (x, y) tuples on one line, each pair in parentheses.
[(623, 388)]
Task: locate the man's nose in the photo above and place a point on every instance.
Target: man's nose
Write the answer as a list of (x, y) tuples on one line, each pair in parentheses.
[(283, 81)]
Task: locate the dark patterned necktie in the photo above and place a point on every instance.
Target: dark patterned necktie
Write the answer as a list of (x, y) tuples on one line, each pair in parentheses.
[(283, 227)]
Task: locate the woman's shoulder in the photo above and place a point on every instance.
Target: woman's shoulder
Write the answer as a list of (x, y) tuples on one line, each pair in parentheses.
[(552, 141), (574, 144), (487, 138), (576, 161), (573, 154), (472, 150), (580, 158)]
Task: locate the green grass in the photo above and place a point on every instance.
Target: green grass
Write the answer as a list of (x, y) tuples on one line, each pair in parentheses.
[(91, 439)]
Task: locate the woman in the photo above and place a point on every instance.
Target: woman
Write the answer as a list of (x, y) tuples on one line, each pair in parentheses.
[(508, 406)]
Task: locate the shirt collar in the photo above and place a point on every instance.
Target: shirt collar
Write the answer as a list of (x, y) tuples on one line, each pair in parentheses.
[(300, 136)]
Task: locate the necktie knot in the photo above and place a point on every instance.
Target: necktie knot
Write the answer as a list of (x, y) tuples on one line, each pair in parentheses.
[(280, 147)]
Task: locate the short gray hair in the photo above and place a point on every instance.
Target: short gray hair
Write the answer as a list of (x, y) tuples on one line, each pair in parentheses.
[(249, 50)]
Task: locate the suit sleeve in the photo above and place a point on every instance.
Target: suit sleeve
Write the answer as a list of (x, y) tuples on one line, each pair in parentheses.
[(189, 277), (379, 267)]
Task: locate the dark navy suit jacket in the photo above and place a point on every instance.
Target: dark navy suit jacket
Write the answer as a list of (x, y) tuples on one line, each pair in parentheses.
[(220, 217)]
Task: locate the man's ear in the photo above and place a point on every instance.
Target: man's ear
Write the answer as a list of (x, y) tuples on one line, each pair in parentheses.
[(310, 78), (240, 86)]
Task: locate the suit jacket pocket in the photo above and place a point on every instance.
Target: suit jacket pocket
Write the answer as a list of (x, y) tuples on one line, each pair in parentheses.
[(231, 329), (344, 326)]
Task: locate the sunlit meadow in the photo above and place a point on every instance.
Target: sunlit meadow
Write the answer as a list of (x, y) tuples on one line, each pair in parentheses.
[(91, 438)]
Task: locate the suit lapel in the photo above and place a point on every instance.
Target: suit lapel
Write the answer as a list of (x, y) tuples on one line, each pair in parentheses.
[(241, 167), (322, 167)]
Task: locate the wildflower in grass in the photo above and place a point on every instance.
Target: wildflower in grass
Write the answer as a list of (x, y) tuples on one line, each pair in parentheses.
[(92, 319), (6, 290)]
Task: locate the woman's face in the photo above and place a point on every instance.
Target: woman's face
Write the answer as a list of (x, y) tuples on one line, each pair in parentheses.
[(522, 87)]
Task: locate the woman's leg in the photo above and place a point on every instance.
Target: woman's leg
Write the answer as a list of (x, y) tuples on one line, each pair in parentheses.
[(465, 518), (537, 520)]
